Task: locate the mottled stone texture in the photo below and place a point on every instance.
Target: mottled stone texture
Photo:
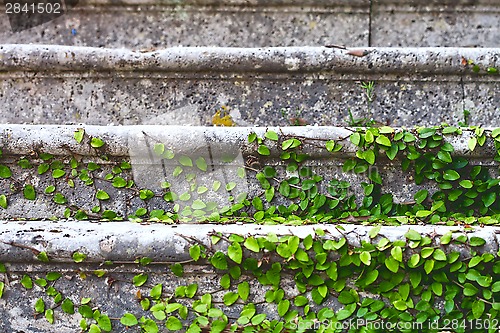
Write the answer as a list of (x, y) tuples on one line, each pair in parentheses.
[(160, 24), (451, 23), (270, 86), (145, 24)]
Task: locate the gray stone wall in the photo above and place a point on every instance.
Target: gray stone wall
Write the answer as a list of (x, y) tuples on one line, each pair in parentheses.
[(159, 24), (263, 87)]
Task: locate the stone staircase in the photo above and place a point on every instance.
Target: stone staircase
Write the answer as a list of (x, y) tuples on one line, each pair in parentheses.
[(110, 157)]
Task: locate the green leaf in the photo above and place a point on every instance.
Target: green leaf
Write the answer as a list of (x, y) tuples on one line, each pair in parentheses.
[(198, 204), (256, 320), (225, 281), (2, 286), (53, 276), (128, 319), (489, 198), (290, 143), (78, 135), (185, 161), (59, 199), (400, 305), (426, 252), (478, 308), (466, 183), (449, 130), (470, 290), (191, 290), (409, 137), (263, 150), (383, 140), (3, 201), (173, 324), (300, 300), (439, 255), (43, 257), (102, 195), (423, 213), (177, 269), (446, 238), (201, 164), (415, 278), (283, 307), (119, 182), (355, 138), (397, 253), (219, 260), (5, 172), (244, 290), (140, 279), (392, 152), (346, 312), (451, 175), (235, 252), (79, 257), (49, 315), (252, 137), (195, 252), (420, 196), (476, 241), (472, 143), (50, 189), (429, 265), (413, 235), (392, 264), (68, 306), (252, 244), (40, 306), (94, 329), (374, 231), (414, 260), (159, 148), (29, 192), (104, 323), (96, 142), (386, 130), (156, 291), (149, 326), (444, 156), (26, 282), (269, 194), (365, 258), (370, 277), (369, 156), (271, 135), (230, 298), (24, 163)]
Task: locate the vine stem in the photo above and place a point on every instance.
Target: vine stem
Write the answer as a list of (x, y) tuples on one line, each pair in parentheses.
[(479, 298), (22, 246), (291, 185)]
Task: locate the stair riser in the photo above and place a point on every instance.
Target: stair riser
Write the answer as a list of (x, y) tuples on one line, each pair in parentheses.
[(225, 151), (62, 85), (114, 293), (148, 24)]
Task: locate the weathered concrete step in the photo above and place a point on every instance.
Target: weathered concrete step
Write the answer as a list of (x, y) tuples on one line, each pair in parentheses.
[(269, 86), (191, 160), (114, 294), (133, 24)]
